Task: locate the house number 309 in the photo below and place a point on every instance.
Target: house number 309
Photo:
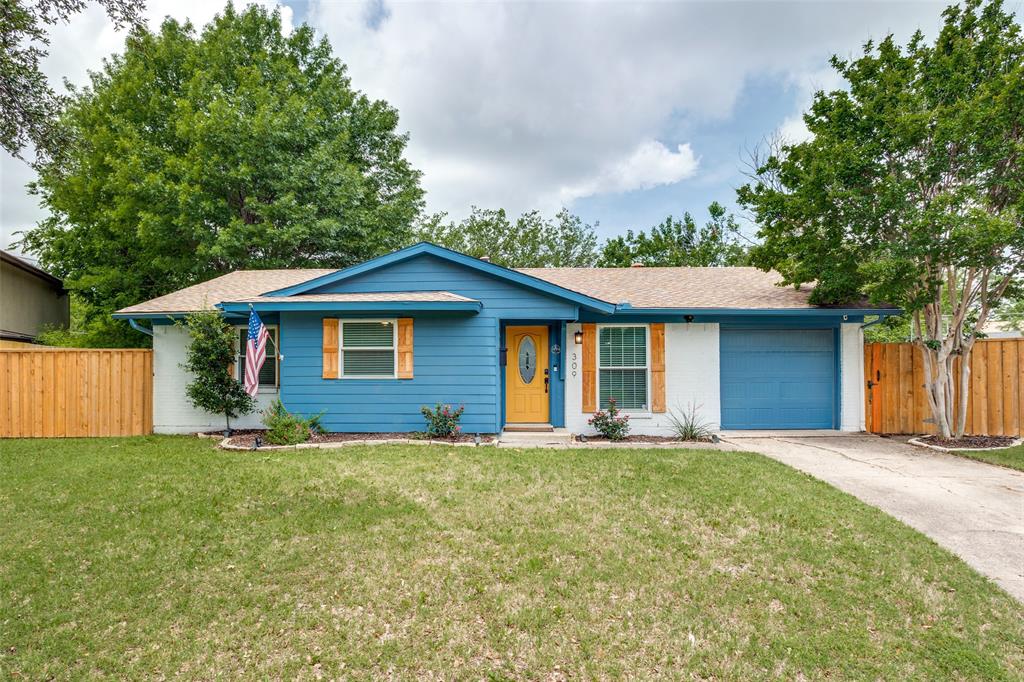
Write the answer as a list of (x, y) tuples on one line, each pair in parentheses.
[(574, 364)]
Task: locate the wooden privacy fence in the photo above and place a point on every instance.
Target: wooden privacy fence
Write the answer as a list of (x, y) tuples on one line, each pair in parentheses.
[(64, 392), (896, 401)]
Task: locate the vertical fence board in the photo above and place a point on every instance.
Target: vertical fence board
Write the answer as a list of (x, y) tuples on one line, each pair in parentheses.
[(994, 355), (146, 384), (897, 401), (15, 393), (905, 399), (137, 409), (75, 392), (1010, 379), (60, 393), (979, 388)]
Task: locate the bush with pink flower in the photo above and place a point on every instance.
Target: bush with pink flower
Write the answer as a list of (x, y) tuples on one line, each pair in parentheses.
[(443, 420), (609, 424)]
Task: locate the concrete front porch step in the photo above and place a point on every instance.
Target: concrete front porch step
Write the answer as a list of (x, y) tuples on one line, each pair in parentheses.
[(527, 439), (529, 428)]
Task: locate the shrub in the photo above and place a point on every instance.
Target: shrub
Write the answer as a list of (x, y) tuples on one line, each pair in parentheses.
[(687, 423), (609, 424), (442, 420), (285, 428)]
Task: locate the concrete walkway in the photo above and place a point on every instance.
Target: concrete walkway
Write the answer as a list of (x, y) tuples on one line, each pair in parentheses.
[(973, 509)]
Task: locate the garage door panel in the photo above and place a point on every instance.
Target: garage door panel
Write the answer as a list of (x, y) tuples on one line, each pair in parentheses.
[(778, 379), (806, 393)]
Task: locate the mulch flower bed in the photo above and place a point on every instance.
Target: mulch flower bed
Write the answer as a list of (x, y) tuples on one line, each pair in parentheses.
[(247, 437), (970, 442)]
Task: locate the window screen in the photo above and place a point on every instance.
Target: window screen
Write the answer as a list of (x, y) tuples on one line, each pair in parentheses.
[(622, 367), (268, 372), (368, 348)]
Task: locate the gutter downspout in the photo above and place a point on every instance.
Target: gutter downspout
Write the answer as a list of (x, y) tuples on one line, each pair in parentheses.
[(139, 328)]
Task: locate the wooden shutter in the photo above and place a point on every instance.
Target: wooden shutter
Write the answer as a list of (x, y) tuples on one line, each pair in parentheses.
[(590, 368), (658, 367), (330, 348), (405, 337)]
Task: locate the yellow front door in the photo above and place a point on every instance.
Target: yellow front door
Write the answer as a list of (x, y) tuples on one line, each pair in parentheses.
[(526, 374)]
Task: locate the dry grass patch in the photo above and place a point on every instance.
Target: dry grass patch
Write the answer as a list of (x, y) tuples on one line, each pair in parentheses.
[(162, 556)]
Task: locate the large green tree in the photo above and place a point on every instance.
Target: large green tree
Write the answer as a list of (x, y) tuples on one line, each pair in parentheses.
[(679, 242), (193, 154), (910, 189), (28, 105), (531, 241)]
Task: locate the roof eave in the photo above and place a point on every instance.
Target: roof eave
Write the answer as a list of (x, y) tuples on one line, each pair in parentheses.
[(833, 312), (151, 315)]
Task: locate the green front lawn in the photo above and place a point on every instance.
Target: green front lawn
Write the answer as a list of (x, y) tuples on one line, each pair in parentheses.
[(161, 556), (1011, 457)]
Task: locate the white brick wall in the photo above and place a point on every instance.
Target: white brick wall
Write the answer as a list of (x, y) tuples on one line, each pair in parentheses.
[(172, 411), (691, 376), (851, 349)]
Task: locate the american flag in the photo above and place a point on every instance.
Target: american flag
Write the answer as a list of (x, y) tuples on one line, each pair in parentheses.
[(255, 352)]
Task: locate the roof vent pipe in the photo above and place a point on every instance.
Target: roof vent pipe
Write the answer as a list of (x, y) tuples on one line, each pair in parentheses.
[(486, 259), (636, 265)]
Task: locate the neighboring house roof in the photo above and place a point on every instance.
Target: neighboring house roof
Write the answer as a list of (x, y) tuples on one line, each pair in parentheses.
[(605, 290), (1000, 329), (679, 287), (22, 264)]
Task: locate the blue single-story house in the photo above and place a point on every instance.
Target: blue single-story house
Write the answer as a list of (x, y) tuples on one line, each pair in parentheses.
[(370, 344)]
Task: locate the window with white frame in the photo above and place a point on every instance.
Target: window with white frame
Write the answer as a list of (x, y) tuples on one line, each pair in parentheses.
[(368, 349), (622, 367), (269, 376)]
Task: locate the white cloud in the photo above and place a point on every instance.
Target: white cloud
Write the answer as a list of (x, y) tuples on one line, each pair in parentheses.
[(530, 105), (526, 105), (649, 165)]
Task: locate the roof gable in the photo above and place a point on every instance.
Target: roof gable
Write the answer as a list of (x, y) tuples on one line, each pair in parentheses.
[(426, 248)]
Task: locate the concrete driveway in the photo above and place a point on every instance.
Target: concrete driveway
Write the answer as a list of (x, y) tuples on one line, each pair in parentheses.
[(973, 509)]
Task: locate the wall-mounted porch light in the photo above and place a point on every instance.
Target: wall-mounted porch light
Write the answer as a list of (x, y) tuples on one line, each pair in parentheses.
[(578, 338)]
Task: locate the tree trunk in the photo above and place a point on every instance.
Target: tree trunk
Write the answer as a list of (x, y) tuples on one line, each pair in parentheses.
[(937, 387), (965, 385)]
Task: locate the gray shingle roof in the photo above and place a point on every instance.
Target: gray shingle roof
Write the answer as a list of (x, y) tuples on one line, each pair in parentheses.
[(736, 288), (679, 287), (234, 286)]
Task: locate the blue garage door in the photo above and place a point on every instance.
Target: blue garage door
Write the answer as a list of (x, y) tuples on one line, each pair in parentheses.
[(778, 378)]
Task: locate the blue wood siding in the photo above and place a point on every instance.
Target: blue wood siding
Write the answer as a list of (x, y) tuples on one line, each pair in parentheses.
[(455, 357), (778, 378)]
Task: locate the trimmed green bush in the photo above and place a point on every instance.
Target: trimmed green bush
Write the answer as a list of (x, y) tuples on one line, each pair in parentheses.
[(285, 428)]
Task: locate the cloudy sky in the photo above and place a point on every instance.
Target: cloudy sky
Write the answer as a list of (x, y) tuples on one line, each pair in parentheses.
[(623, 112)]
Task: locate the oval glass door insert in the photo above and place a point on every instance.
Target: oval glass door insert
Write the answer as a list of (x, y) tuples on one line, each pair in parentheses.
[(527, 359)]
